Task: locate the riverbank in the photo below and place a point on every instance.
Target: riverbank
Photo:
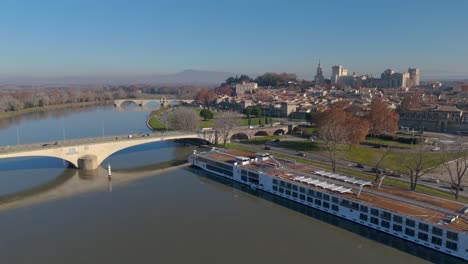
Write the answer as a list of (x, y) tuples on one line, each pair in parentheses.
[(52, 107)]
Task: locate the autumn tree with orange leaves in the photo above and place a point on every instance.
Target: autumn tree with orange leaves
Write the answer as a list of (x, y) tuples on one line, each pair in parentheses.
[(205, 96), (381, 118), (336, 127)]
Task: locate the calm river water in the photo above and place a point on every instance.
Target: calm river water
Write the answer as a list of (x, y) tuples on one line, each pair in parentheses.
[(52, 214)]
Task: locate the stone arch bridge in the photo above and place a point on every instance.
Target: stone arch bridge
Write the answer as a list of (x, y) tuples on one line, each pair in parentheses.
[(142, 102), (89, 153)]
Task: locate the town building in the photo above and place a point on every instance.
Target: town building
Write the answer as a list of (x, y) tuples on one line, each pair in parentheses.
[(246, 87), (337, 72)]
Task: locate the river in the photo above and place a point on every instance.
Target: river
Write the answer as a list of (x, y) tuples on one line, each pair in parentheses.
[(53, 214)]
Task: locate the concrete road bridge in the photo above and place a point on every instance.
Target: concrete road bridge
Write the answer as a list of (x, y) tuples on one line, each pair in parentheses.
[(89, 153), (162, 101)]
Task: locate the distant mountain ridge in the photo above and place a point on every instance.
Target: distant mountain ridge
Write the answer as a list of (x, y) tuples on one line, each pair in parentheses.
[(185, 77)]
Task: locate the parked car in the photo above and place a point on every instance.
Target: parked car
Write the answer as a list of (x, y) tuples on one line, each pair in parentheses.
[(435, 149), (302, 154), (267, 148), (454, 187), (431, 179), (359, 165)]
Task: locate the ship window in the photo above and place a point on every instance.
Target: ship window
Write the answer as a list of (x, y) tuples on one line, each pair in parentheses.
[(397, 228), (318, 195), (437, 231), (294, 187), (363, 217), (374, 212), (326, 205), (374, 220), (335, 200), (294, 194), (423, 227), (451, 245), (275, 188), (436, 240), (288, 192), (253, 175), (311, 192), (397, 219), (302, 189), (355, 206), (409, 231), (422, 236), (244, 172), (288, 185), (274, 180), (334, 207), (452, 235), (244, 178), (310, 199), (301, 196), (326, 197), (410, 222), (318, 202), (282, 183), (385, 224), (281, 190), (253, 180), (363, 208), (386, 215)]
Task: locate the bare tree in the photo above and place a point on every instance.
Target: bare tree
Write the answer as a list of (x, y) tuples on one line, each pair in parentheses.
[(417, 165), (184, 119), (225, 123), (456, 168), (380, 161), (332, 130)]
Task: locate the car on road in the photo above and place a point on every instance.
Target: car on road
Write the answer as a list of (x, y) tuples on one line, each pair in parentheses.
[(359, 165), (302, 154), (431, 179), (267, 148), (435, 149)]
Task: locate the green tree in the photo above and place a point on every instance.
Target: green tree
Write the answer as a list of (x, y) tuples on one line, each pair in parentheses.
[(248, 112), (256, 111), (206, 114)]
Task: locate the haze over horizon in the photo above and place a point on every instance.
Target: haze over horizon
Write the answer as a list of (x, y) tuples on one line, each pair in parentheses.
[(101, 39)]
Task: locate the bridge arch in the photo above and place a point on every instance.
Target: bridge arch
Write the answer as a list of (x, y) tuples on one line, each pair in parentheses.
[(240, 136), (261, 133), (279, 132)]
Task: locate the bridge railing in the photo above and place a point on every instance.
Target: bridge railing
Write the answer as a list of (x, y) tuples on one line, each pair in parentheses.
[(84, 141)]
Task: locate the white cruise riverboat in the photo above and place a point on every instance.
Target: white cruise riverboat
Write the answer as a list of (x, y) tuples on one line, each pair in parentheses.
[(429, 221)]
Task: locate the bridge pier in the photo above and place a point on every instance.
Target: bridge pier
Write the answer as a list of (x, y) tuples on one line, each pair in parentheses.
[(88, 162)]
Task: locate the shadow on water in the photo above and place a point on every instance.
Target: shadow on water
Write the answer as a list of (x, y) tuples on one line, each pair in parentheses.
[(389, 240), (61, 179)]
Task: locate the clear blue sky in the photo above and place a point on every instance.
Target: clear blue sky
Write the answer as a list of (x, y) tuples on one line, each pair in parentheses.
[(82, 37)]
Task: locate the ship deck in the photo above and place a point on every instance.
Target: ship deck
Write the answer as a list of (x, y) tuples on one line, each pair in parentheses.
[(405, 202)]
